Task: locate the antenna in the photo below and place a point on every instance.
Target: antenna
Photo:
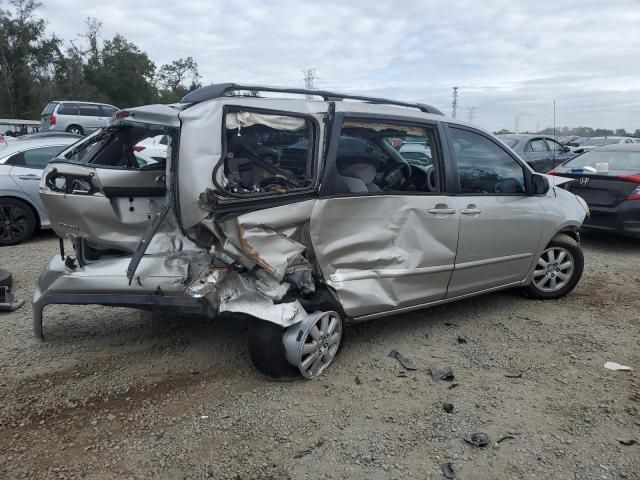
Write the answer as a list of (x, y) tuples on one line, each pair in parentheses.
[(471, 114), (309, 80), (454, 104), (554, 119)]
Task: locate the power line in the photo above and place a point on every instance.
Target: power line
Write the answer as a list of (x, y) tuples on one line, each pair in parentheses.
[(454, 104)]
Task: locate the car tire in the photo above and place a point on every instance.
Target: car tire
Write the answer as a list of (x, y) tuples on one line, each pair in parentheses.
[(5, 279), (267, 350), (76, 129), (17, 221), (563, 260)]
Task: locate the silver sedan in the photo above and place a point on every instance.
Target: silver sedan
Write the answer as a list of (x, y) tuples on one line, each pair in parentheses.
[(21, 165)]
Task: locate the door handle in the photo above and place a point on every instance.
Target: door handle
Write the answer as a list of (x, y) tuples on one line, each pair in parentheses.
[(471, 210), (29, 177), (442, 211)]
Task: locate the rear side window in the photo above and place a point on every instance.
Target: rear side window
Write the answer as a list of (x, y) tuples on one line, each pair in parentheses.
[(536, 145), (266, 154), (108, 111), (48, 108), (89, 110), (36, 157), (68, 109), (483, 166)]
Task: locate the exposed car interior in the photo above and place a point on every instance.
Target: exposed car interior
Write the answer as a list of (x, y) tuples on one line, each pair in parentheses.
[(115, 147), (265, 154)]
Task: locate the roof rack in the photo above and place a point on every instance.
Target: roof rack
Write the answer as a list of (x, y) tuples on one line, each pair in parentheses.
[(217, 90)]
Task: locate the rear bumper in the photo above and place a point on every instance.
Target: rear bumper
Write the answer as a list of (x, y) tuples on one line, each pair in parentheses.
[(106, 283), (624, 219)]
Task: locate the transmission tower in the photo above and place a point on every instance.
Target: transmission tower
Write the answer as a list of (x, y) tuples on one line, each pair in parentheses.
[(516, 123), (309, 80), (454, 104), (471, 114)]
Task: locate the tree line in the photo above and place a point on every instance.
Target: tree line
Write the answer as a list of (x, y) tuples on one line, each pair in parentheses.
[(579, 131), (36, 67)]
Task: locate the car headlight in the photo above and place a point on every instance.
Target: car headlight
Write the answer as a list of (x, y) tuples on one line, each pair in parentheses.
[(583, 204)]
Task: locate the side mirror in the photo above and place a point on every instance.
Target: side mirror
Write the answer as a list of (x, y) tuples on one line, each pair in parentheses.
[(540, 184), (567, 149)]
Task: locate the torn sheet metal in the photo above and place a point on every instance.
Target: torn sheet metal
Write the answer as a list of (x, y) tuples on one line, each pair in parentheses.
[(255, 296), (269, 238), (207, 281)]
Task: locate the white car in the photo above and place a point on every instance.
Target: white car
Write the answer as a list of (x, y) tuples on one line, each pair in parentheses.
[(153, 147)]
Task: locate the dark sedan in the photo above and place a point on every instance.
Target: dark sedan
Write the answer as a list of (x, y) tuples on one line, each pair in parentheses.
[(608, 179), (540, 152)]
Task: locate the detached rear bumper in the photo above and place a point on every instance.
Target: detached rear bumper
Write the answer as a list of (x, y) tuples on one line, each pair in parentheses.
[(624, 219), (158, 286)]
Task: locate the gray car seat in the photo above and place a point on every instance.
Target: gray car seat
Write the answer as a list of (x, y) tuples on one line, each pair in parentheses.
[(359, 177)]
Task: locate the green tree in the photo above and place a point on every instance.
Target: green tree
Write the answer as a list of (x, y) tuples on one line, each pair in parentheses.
[(26, 54), (122, 74), (171, 79)]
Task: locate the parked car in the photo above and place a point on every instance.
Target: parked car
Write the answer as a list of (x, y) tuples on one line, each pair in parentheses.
[(21, 164), (75, 117), (608, 179), (540, 152), (595, 142), (302, 215), (154, 147)]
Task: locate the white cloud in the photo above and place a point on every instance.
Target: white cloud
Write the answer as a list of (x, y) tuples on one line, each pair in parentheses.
[(509, 58)]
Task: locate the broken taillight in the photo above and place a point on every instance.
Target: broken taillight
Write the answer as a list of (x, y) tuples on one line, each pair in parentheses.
[(52, 119)]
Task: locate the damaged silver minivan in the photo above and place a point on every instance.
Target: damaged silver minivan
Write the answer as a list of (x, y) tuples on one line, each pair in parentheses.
[(303, 214)]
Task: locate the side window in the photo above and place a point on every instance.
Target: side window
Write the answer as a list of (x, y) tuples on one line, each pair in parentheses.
[(107, 111), (68, 109), (39, 157), (385, 157), (266, 154), (555, 147), (89, 110), (536, 146), (483, 166)]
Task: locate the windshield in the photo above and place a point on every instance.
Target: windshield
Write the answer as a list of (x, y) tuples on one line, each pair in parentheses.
[(626, 160), (599, 141)]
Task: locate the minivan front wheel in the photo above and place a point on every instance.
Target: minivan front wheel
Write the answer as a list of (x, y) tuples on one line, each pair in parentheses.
[(558, 269), (76, 129)]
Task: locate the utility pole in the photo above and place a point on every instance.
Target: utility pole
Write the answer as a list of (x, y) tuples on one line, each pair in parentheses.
[(454, 104), (554, 119), (516, 123), (537, 127), (471, 114), (309, 80)]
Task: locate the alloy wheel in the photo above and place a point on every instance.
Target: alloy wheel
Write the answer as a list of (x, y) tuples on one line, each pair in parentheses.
[(320, 345), (553, 270), (14, 223)]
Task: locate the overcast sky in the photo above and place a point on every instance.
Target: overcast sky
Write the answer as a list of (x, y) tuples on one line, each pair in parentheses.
[(509, 58)]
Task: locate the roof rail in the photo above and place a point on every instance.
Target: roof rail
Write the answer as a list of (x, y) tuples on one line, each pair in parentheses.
[(217, 90)]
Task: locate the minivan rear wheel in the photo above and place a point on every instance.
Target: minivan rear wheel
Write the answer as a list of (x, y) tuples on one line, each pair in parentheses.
[(17, 221), (558, 269), (76, 129)]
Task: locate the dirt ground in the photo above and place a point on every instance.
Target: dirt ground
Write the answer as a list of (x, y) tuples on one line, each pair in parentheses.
[(117, 393)]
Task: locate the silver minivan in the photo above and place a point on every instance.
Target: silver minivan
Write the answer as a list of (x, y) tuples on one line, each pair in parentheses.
[(303, 215), (80, 118)]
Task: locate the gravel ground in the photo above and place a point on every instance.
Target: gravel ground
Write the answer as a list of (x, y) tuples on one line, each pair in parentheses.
[(117, 393)]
